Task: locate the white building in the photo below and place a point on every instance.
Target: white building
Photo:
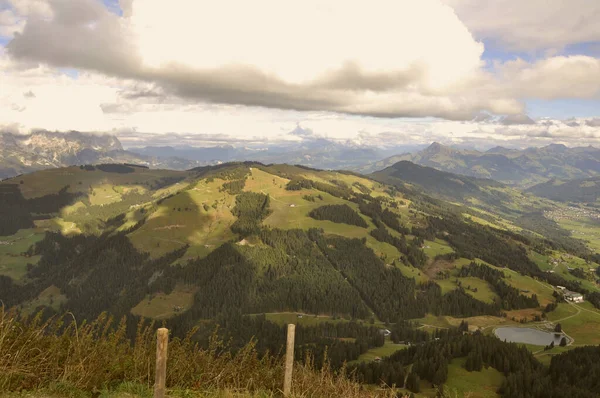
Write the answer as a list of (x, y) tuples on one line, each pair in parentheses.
[(574, 297)]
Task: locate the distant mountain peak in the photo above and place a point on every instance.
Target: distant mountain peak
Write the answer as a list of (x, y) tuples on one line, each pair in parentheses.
[(436, 147), (500, 150), (557, 147)]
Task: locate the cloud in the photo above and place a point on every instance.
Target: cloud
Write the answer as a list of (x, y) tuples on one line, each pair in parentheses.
[(300, 132), (406, 59), (533, 24), (115, 108), (552, 78), (572, 122), (29, 94), (593, 122)]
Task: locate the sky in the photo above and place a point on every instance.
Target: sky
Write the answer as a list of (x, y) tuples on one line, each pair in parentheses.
[(380, 73)]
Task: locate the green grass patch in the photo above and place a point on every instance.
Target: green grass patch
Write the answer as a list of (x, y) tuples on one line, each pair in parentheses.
[(200, 217), (163, 306), (386, 350), (436, 248), (12, 261), (482, 384), (470, 284)]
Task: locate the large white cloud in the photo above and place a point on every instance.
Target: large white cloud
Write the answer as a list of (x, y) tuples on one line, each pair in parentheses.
[(192, 66), (527, 25), (553, 78), (387, 58)]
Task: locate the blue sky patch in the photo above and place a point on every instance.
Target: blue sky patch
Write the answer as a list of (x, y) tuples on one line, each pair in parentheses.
[(72, 73), (113, 6), (563, 108)]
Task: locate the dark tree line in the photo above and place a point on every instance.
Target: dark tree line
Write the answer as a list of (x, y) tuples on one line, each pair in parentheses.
[(338, 214), (412, 252), (297, 184), (373, 208), (115, 168), (250, 208), (16, 212), (233, 187), (594, 298)]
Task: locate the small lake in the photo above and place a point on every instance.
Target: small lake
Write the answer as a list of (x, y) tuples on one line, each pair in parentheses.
[(527, 336)]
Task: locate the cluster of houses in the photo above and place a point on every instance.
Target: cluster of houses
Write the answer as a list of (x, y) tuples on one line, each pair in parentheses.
[(573, 297), (571, 213)]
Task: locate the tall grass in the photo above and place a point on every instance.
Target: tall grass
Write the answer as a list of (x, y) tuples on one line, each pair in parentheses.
[(96, 356)]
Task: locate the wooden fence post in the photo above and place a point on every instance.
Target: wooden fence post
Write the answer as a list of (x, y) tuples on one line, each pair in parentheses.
[(162, 341), (289, 360)]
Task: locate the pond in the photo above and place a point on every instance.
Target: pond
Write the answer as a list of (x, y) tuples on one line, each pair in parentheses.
[(527, 336)]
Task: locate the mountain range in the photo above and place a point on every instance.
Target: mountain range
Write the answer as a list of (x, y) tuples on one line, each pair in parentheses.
[(522, 168), (44, 149), (318, 153)]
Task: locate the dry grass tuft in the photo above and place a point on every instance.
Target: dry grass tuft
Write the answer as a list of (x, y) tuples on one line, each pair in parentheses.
[(69, 359)]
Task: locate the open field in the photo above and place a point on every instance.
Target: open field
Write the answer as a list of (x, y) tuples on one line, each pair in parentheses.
[(12, 262), (469, 284), (436, 248), (386, 350), (583, 326), (163, 306), (583, 228), (485, 322)]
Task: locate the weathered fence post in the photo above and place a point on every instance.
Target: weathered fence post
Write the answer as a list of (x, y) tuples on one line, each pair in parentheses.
[(289, 360), (162, 341)]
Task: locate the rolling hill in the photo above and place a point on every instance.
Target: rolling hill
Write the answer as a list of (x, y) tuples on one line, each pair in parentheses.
[(226, 244), (522, 168)]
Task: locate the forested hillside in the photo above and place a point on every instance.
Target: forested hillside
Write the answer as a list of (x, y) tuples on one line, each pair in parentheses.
[(248, 247)]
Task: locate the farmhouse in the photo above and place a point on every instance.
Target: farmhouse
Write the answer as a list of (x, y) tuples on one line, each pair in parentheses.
[(574, 297)]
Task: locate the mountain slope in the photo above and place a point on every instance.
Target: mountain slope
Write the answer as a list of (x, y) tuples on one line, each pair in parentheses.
[(514, 167), (585, 190), (43, 149), (246, 229)]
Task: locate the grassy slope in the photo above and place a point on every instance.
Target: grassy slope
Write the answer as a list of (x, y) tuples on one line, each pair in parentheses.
[(172, 226)]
